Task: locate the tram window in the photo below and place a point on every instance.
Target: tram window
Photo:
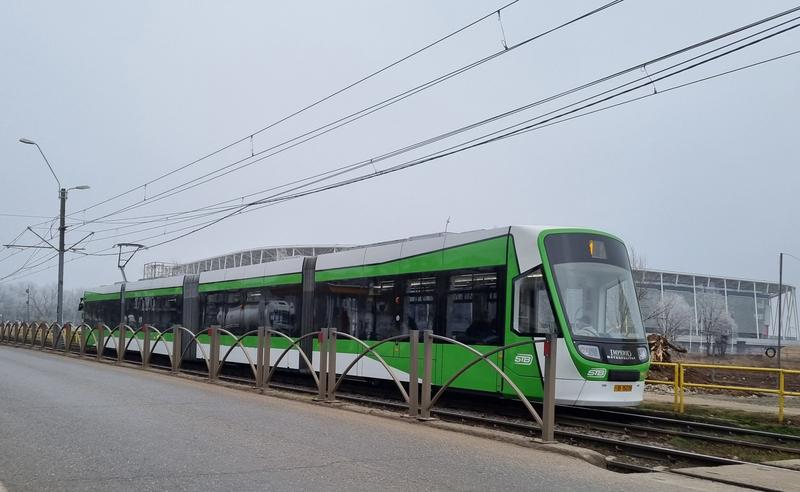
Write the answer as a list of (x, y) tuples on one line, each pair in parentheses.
[(161, 311), (241, 312), (281, 308), (213, 310), (343, 305), (419, 302), (472, 308), (384, 305), (533, 314), (101, 312)]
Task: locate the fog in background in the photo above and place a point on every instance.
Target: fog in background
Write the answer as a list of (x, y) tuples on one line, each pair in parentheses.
[(702, 179)]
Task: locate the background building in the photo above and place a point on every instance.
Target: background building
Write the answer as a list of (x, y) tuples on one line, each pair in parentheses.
[(699, 311)]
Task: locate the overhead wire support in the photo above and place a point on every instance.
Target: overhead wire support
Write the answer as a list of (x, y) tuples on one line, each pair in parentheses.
[(502, 30)]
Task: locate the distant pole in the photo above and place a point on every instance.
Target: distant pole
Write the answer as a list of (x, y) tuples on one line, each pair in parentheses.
[(780, 297), (28, 305), (62, 228)]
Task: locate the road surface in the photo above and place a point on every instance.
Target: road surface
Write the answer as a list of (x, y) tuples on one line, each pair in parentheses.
[(69, 424)]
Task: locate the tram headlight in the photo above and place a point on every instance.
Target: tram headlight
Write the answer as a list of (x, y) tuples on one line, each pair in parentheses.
[(644, 354), (590, 351)]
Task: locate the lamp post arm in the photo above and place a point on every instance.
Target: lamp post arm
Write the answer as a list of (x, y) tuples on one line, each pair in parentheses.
[(48, 164)]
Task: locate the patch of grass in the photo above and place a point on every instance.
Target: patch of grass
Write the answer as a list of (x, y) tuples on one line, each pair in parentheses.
[(743, 453), (766, 421)]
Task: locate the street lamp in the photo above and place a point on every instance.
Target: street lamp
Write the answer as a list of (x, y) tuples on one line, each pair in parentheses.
[(62, 196)]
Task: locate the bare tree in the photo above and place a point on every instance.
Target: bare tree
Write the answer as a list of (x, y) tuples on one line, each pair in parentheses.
[(715, 323), (43, 302), (674, 315), (638, 267)]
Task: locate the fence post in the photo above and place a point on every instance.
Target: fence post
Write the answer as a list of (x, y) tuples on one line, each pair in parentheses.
[(549, 389), (213, 356), (146, 346), (267, 356), (331, 365), (101, 341), (413, 373), (260, 358), (682, 371), (84, 336), (66, 334), (121, 344), (176, 349), (675, 398), (323, 364), (781, 388), (44, 336), (427, 375)]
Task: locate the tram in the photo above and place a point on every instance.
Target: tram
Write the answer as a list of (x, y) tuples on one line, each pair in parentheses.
[(484, 288)]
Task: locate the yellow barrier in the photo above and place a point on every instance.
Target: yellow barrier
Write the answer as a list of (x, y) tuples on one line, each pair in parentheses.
[(675, 382), (679, 383)]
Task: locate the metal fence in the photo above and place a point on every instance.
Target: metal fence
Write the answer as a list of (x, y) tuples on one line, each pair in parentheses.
[(679, 383), (85, 341)]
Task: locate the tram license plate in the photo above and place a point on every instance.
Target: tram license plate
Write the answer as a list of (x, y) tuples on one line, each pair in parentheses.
[(623, 387)]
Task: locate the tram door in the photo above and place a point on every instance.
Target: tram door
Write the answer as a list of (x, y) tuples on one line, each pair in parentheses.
[(191, 313), (307, 309)]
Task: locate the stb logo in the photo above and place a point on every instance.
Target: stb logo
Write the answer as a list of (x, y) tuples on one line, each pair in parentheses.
[(523, 359), (596, 372)]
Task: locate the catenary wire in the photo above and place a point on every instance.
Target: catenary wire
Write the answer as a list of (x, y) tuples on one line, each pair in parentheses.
[(308, 106), (524, 130), (327, 128), (474, 125)]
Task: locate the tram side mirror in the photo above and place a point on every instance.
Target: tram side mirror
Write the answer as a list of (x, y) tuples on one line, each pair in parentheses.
[(80, 305)]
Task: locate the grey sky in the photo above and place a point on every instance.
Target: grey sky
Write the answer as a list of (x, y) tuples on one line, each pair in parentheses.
[(702, 179)]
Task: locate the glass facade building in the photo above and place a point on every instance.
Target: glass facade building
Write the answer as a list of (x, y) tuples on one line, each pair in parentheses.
[(752, 305)]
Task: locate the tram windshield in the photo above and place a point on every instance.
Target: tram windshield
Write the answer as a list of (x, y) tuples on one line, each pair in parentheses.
[(595, 286)]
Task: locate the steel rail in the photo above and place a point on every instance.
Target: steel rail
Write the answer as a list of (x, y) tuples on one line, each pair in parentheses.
[(691, 425), (623, 427)]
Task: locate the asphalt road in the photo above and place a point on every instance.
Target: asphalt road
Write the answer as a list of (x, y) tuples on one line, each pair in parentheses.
[(68, 424)]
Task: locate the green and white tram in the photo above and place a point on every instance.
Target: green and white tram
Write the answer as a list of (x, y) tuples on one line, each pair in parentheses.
[(484, 288)]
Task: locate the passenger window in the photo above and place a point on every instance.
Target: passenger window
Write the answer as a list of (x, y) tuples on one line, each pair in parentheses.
[(472, 308), (385, 309), (419, 302)]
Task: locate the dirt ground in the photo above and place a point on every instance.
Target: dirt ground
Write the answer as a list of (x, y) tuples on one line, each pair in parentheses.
[(790, 359)]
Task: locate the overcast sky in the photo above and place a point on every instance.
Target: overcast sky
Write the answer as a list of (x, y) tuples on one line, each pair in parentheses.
[(702, 179)]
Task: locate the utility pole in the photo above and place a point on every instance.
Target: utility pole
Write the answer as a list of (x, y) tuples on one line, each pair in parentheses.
[(28, 305), (780, 297), (62, 229)]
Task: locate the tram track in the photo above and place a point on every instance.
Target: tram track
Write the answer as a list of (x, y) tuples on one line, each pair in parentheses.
[(624, 454)]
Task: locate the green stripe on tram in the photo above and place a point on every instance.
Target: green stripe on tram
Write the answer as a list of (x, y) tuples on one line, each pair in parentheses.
[(489, 252), (164, 291), (94, 297), (247, 283)]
